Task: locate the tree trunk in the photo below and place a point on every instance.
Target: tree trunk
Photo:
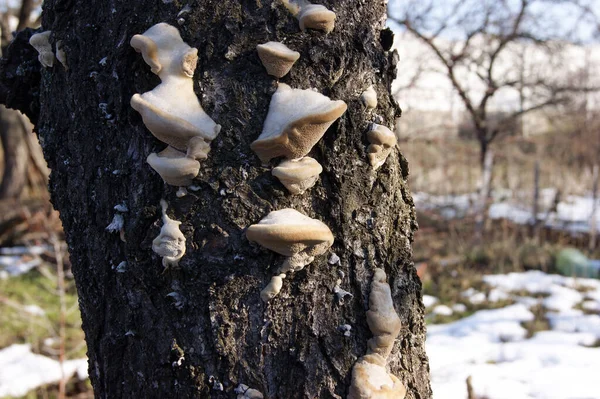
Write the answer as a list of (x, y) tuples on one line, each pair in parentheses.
[(184, 332)]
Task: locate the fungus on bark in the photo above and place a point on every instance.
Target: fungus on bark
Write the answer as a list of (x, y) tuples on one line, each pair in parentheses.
[(297, 119), (313, 16), (243, 391), (292, 234), (370, 379), (382, 141), (174, 167), (171, 111), (40, 42), (277, 58), (369, 98), (273, 288), (61, 56), (170, 243), (298, 175)]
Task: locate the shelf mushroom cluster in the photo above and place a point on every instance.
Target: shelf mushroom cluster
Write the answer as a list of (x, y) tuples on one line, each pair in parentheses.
[(171, 111), (370, 379), (296, 121)]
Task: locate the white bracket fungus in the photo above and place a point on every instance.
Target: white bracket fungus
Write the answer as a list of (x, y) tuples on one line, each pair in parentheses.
[(297, 119), (298, 175), (40, 42), (277, 58), (292, 234), (171, 111), (313, 16), (273, 288), (170, 243), (370, 379), (369, 98), (382, 141), (243, 391), (174, 167), (61, 56), (382, 318)]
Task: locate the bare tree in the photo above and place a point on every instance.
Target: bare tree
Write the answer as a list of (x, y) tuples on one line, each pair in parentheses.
[(483, 38)]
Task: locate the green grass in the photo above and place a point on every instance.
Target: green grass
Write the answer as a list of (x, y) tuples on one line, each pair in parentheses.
[(19, 327)]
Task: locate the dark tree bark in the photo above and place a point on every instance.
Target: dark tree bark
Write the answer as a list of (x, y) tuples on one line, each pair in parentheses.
[(175, 334)]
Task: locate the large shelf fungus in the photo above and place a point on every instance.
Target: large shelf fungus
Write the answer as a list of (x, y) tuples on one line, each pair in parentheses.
[(298, 175), (170, 243), (40, 42), (382, 142), (313, 16), (370, 379), (277, 58), (296, 121), (292, 234), (171, 111)]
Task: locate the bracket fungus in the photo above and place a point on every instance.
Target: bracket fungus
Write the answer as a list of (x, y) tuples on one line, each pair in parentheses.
[(40, 42), (174, 167), (171, 111), (296, 121), (382, 318), (292, 234), (170, 243), (313, 16), (370, 379), (61, 56), (277, 58), (369, 98), (316, 16), (298, 175), (382, 141)]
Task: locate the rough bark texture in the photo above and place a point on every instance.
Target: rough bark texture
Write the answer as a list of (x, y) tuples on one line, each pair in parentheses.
[(174, 334)]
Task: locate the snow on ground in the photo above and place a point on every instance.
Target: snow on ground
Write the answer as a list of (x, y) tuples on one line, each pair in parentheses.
[(571, 214), (492, 346), (21, 370)]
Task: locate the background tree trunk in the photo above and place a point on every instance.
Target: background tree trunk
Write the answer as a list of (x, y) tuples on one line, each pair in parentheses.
[(156, 335)]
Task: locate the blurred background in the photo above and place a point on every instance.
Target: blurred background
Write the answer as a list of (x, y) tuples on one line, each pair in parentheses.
[(501, 129)]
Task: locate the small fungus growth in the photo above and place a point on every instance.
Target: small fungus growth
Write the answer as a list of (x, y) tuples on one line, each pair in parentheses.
[(40, 41), (277, 58), (369, 98), (273, 288), (370, 379), (313, 16), (382, 141), (171, 111), (292, 234), (170, 243), (296, 121), (61, 56), (243, 391), (298, 175)]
